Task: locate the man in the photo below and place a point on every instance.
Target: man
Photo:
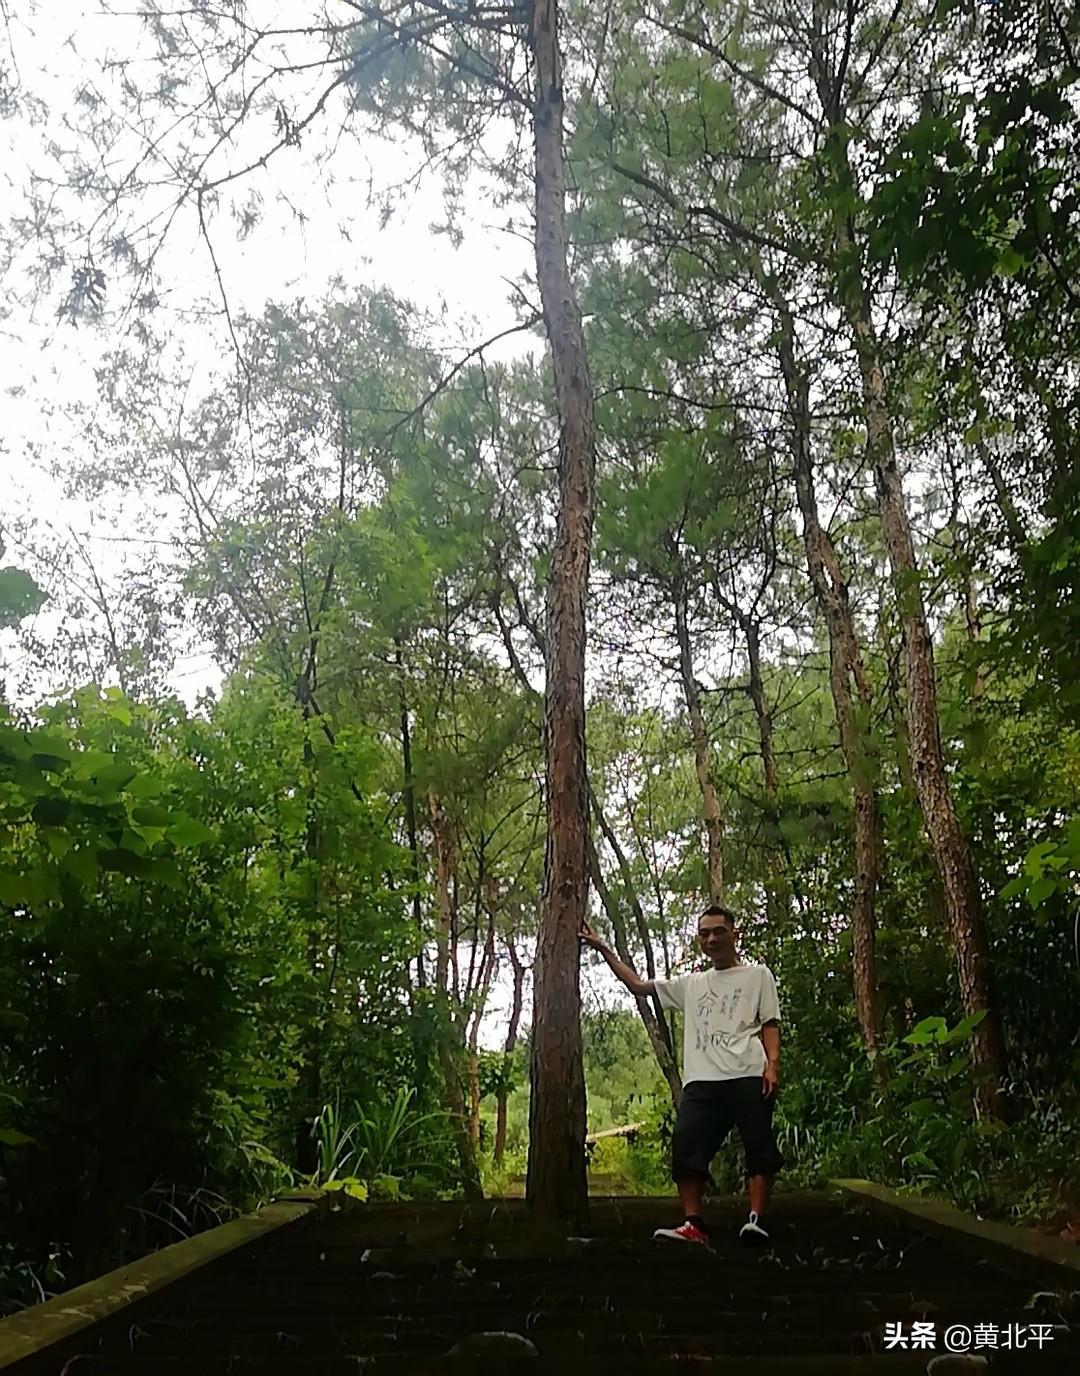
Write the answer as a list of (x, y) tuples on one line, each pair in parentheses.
[(731, 1069)]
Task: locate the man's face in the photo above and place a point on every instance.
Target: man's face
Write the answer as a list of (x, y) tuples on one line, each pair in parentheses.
[(716, 937)]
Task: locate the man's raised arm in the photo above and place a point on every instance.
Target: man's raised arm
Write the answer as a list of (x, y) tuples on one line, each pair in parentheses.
[(641, 988)]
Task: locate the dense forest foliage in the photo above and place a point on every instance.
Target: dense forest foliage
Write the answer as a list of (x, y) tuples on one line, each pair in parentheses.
[(828, 265)]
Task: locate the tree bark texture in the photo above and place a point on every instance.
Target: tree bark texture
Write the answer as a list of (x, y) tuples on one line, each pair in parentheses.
[(714, 822), (846, 674), (556, 1185)]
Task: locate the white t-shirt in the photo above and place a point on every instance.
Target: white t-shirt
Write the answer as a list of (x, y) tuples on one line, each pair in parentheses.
[(723, 1013)]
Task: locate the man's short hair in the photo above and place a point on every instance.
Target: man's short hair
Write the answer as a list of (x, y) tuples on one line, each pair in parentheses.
[(718, 910)]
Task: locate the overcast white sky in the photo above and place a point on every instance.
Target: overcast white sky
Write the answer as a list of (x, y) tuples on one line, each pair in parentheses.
[(43, 360)]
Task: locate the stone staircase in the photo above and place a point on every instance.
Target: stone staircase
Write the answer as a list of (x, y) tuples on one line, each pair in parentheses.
[(426, 1290)]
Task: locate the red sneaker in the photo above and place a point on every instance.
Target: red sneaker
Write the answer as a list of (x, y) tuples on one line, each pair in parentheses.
[(687, 1232)]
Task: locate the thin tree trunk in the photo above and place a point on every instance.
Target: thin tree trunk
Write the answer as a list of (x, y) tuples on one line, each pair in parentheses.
[(777, 891), (1014, 526), (714, 824), (478, 1005), (644, 936), (449, 1037), (653, 1020), (845, 674), (973, 625), (311, 1070), (410, 814), (556, 1185), (947, 840), (509, 1047)]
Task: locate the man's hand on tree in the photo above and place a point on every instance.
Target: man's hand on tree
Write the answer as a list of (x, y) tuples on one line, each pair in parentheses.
[(589, 937)]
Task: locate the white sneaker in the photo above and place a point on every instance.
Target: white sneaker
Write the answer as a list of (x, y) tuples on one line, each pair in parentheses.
[(752, 1234)]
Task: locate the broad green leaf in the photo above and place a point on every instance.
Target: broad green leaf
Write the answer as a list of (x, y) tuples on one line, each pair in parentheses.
[(927, 1032), (145, 786), (966, 1026), (52, 764), (111, 778), (51, 812), (189, 831)]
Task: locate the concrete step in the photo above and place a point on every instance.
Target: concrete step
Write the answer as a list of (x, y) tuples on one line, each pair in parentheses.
[(643, 1288), (1045, 1363)]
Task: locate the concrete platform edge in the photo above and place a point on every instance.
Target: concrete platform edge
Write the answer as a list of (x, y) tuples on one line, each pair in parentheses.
[(1002, 1242), (33, 1331)]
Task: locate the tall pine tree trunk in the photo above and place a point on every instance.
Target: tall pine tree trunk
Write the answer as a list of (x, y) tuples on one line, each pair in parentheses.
[(846, 674), (556, 1184), (714, 822)]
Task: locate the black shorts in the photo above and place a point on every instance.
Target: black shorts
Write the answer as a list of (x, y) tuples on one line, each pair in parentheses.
[(707, 1113)]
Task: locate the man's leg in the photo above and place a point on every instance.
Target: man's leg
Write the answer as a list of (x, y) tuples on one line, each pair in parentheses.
[(691, 1189), (693, 1146), (754, 1120), (758, 1187)]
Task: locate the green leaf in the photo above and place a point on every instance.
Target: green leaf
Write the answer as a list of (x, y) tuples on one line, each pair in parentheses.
[(144, 786), (125, 862), (164, 870), (966, 1026), (9, 1137), (189, 831), (82, 865), (151, 835), (53, 764), (51, 812), (20, 597), (13, 890), (927, 1032), (149, 815), (110, 778), (1041, 890), (1037, 857)]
